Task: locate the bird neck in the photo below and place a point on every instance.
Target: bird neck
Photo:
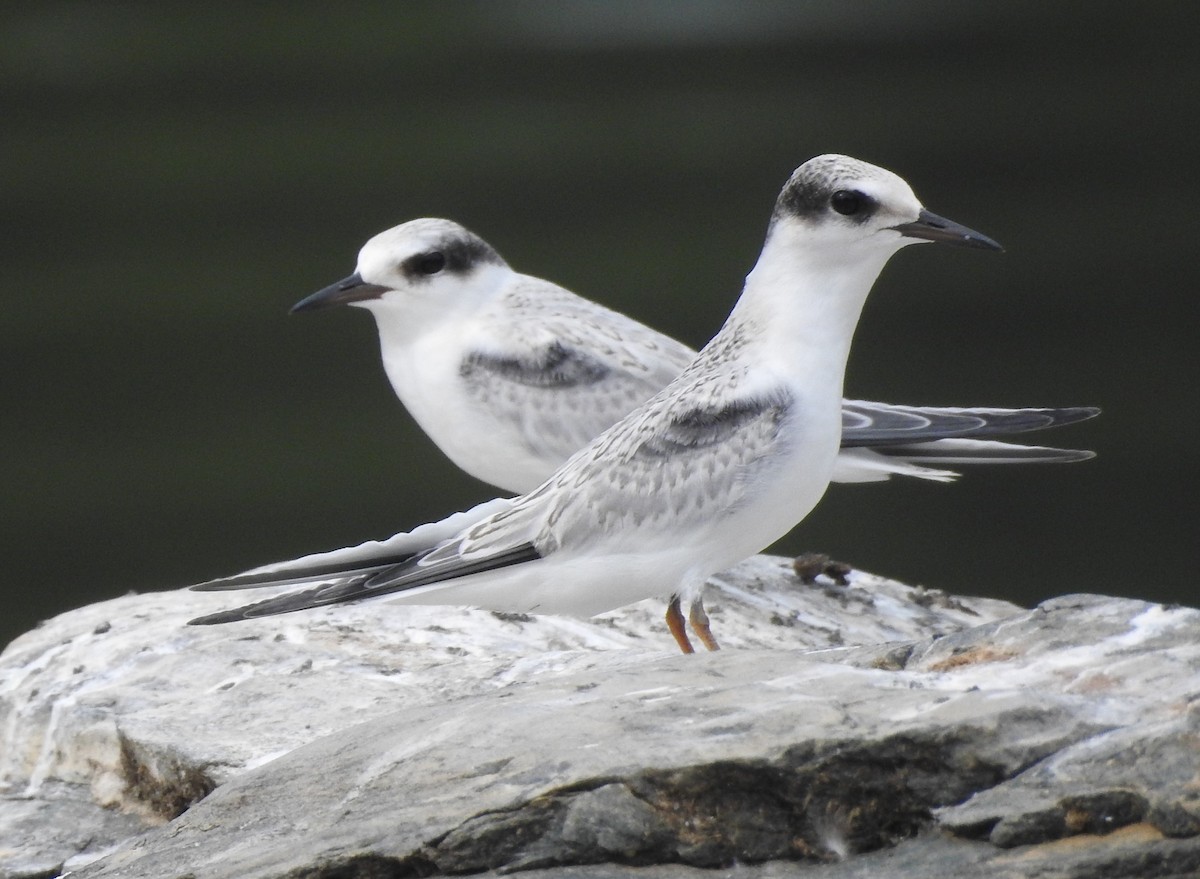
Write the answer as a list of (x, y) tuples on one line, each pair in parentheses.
[(801, 304)]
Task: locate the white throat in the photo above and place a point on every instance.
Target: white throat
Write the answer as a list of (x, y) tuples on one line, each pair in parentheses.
[(803, 299)]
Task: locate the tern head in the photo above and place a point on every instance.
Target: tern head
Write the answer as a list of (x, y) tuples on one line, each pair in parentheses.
[(423, 261), (843, 206)]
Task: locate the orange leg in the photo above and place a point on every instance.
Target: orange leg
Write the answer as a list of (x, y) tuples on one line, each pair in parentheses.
[(699, 620), (677, 626)]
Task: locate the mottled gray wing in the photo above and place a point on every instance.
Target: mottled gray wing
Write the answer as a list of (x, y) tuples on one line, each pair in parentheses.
[(675, 466), (678, 465), (562, 369), (867, 424)]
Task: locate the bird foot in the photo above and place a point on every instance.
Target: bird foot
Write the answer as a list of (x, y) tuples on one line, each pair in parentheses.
[(699, 620)]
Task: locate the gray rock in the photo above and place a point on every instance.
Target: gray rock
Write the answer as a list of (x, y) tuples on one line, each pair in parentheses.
[(940, 733), (39, 833)]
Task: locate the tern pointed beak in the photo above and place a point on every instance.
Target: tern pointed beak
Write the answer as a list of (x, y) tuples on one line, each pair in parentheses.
[(930, 227), (351, 289)]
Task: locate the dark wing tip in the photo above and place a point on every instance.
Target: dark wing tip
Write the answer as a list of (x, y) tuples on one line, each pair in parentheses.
[(212, 619), (371, 583), (292, 601), (902, 425), (293, 575), (409, 574), (985, 452), (1070, 414), (224, 584)]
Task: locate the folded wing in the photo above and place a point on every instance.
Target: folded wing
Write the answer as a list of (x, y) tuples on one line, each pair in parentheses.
[(868, 424)]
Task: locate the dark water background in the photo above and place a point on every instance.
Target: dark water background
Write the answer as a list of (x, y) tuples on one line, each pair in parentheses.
[(172, 179)]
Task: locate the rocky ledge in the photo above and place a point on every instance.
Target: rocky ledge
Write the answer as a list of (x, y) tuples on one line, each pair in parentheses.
[(846, 731)]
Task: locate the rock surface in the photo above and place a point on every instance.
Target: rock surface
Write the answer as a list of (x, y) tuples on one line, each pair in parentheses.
[(873, 729)]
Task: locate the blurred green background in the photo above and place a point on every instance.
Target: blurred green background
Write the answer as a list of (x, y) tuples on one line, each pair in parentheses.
[(174, 178)]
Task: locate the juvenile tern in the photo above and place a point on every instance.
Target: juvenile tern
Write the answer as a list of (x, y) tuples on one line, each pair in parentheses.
[(720, 463), (510, 374)]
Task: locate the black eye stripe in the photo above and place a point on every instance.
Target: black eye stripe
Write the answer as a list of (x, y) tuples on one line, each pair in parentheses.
[(850, 202), (424, 265), (456, 256), (431, 263)]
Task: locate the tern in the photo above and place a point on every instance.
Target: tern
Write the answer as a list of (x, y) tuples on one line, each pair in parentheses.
[(510, 374), (721, 462)]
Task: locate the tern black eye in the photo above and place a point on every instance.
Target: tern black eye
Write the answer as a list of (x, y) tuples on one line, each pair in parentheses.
[(849, 203), (430, 263)]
